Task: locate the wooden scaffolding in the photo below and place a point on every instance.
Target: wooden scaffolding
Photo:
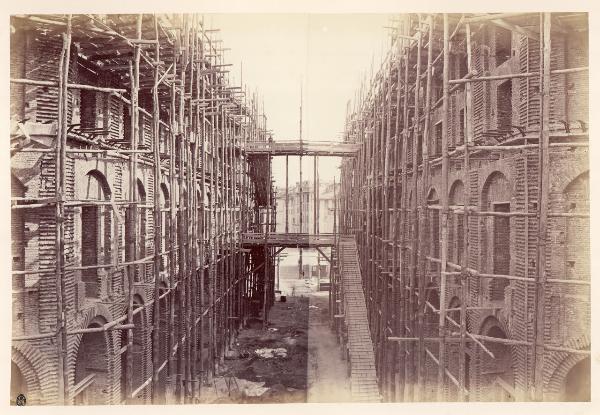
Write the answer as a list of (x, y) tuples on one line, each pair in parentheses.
[(385, 202)]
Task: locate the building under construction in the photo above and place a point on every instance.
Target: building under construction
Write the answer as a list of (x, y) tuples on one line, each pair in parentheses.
[(469, 202), (130, 190), (144, 216)]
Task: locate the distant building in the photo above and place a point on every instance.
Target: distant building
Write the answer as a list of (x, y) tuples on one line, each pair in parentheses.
[(325, 207)]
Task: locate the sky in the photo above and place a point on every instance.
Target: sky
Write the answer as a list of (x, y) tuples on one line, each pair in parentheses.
[(325, 55)]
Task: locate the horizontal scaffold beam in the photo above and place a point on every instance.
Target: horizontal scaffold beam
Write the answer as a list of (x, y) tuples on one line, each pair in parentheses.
[(303, 148), (290, 240)]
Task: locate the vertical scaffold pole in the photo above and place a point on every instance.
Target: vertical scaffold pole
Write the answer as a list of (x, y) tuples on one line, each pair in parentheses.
[(287, 223), (61, 155), (414, 215), (425, 237), (464, 288), (133, 247), (542, 213), (157, 220), (444, 197)]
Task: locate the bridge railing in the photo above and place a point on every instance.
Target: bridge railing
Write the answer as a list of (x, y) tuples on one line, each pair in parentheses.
[(333, 148), (289, 239)]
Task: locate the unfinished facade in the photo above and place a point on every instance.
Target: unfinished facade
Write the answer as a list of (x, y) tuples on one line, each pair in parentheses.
[(130, 190), (469, 201)]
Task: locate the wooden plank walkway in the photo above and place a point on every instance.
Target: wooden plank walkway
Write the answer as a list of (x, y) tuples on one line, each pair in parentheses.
[(302, 148), (363, 377), (290, 240)]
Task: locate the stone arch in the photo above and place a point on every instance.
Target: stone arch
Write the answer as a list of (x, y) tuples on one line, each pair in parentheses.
[(572, 173), (96, 313), (433, 233), (159, 394), (577, 382), (164, 195), (165, 203), (96, 186), (93, 359), (432, 195), (456, 193), (493, 373), (24, 360), (140, 320), (497, 187), (496, 196), (96, 232), (555, 386), (455, 223)]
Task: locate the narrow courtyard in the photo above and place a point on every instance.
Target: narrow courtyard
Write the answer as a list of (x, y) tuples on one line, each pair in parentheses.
[(295, 360)]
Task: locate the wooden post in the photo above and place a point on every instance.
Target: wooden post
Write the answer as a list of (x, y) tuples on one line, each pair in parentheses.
[(181, 225), (171, 370), (318, 198), (425, 241), (157, 220), (61, 154), (193, 214), (414, 370), (404, 389), (544, 189), (203, 234), (133, 251), (301, 195), (287, 229), (396, 286), (444, 197), (464, 281), (315, 192)]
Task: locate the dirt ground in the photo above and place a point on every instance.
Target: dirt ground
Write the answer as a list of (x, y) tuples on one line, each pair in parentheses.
[(327, 371), (296, 360), (272, 361)]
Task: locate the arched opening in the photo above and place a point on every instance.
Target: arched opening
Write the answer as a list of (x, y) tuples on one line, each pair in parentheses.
[(455, 223), (453, 348), (123, 339), (159, 395), (577, 386), (434, 228), (577, 243), (136, 217), (139, 342), (137, 353), (496, 197), (18, 383), (497, 378), (164, 204), (91, 368), (431, 316), (141, 243), (96, 232), (431, 330), (207, 217)]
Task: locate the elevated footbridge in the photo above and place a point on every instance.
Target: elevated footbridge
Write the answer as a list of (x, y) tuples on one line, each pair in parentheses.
[(302, 148)]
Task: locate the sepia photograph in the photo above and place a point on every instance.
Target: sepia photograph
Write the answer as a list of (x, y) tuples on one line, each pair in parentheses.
[(214, 207)]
